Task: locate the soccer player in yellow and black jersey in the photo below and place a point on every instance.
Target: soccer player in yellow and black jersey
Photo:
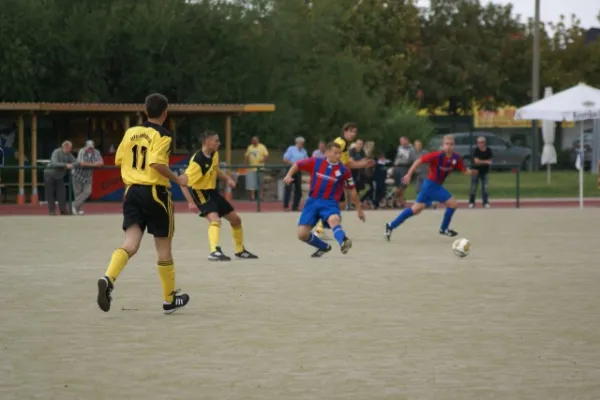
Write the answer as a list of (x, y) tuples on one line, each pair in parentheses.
[(144, 159), (349, 131), (203, 197)]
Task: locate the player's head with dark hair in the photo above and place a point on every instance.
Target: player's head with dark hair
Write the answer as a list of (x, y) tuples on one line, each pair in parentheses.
[(349, 131), (210, 140), (156, 106), (333, 152)]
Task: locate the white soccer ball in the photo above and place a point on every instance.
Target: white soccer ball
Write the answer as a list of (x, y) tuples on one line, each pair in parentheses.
[(461, 247)]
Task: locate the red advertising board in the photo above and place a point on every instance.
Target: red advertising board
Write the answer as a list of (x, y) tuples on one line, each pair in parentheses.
[(107, 183)]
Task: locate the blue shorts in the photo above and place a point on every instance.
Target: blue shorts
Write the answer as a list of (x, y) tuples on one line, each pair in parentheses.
[(431, 191), (316, 209)]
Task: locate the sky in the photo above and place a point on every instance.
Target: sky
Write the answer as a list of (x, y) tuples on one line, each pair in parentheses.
[(550, 10)]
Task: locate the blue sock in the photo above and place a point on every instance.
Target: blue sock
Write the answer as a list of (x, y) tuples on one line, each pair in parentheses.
[(447, 218), (339, 234), (316, 242), (403, 216)]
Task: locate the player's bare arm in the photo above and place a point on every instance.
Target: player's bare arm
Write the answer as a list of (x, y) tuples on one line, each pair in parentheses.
[(288, 177), (406, 178), (227, 178), (470, 172), (190, 201), (159, 160), (364, 163), (165, 171)]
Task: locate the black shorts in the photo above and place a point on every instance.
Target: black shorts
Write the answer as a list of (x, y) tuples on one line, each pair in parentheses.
[(211, 201), (151, 208)]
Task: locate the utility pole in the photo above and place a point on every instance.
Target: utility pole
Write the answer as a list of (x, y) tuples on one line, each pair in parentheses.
[(535, 84)]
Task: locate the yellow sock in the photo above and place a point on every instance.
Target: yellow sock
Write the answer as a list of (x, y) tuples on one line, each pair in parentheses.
[(118, 261), (214, 228), (238, 238), (166, 272)]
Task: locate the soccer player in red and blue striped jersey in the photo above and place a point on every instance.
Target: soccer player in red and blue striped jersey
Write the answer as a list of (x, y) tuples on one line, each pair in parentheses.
[(328, 179), (441, 164)]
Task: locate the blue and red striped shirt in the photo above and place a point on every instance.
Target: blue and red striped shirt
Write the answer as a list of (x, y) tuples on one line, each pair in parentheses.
[(327, 181), (440, 165)]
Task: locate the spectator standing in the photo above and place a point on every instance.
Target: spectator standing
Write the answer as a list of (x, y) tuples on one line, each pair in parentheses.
[(87, 158), (405, 156), (320, 152), (256, 155), (482, 160), (292, 155), (60, 163)]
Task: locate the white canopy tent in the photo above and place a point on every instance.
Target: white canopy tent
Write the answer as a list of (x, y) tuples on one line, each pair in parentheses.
[(579, 103)]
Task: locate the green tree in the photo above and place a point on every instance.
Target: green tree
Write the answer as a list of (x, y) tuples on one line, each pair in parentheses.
[(18, 67), (322, 63), (463, 45), (385, 36), (402, 120), (303, 68), (567, 59)]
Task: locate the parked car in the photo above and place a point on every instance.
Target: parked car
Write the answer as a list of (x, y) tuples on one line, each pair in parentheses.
[(504, 152), (588, 143)]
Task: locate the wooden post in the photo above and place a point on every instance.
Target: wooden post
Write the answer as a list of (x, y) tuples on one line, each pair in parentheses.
[(21, 133), (228, 152), (34, 189), (103, 129), (140, 119), (172, 128), (127, 124)]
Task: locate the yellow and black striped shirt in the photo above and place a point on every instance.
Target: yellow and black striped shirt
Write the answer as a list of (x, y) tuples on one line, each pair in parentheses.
[(202, 171)]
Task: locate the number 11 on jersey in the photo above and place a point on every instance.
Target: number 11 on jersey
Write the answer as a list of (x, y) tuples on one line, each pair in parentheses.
[(139, 154)]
